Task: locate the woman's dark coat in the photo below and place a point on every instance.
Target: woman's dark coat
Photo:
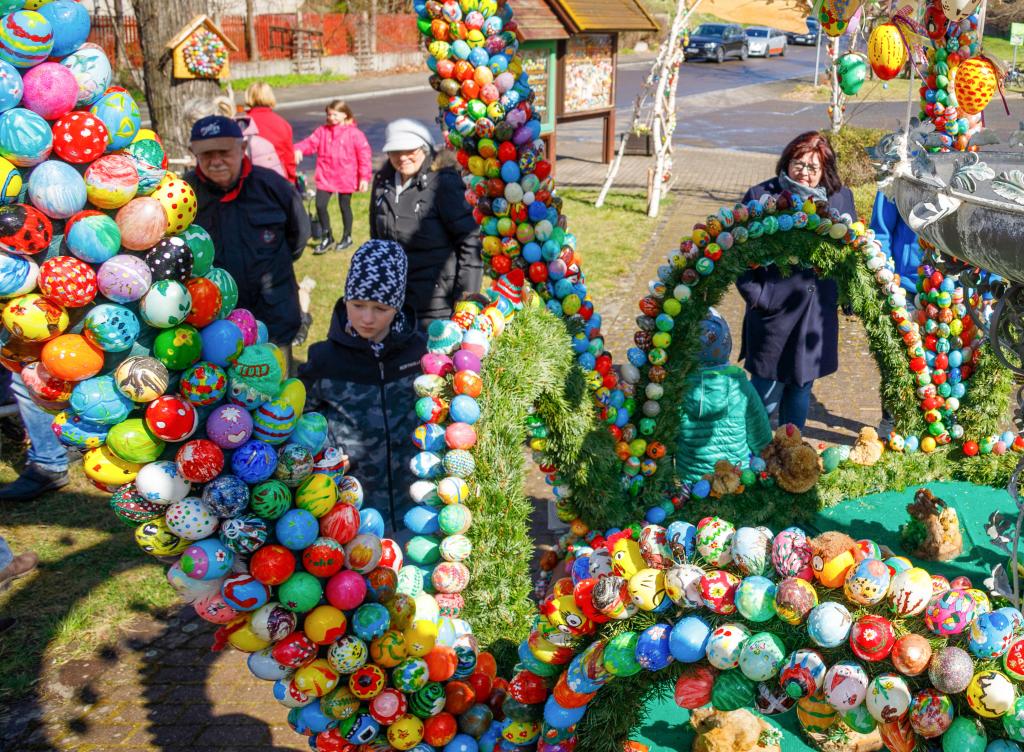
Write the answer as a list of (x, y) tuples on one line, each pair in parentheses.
[(435, 226), (370, 406), (791, 325)]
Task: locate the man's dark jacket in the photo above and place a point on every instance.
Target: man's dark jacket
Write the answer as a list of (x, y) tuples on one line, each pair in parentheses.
[(259, 228), (435, 226)]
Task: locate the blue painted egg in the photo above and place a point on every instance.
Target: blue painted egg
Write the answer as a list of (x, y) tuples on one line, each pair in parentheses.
[(25, 137), (204, 384), (91, 69), (56, 189), (464, 409), (370, 620), (150, 162), (111, 327), (226, 496), (17, 274), (681, 535), (11, 86), (92, 236), (274, 421), (990, 635), (652, 647), (297, 529), (426, 465), (828, 624), (688, 639), (100, 402), (429, 437), (26, 38), (751, 549), (120, 113), (70, 24), (208, 559), (77, 433), (254, 461), (310, 432)]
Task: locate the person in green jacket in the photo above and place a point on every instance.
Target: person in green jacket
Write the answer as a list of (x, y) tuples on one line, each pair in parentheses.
[(720, 415)]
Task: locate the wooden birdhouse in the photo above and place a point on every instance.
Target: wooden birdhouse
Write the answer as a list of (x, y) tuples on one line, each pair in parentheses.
[(201, 50)]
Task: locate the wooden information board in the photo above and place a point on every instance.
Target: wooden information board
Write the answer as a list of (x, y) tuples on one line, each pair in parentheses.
[(588, 74)]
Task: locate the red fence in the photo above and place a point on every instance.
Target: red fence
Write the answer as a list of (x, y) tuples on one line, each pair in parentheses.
[(395, 33)]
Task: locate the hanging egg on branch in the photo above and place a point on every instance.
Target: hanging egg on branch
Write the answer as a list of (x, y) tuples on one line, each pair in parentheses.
[(975, 83), (886, 51)]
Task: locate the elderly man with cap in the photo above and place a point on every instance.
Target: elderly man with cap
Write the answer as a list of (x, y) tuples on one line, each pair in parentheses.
[(420, 203), (361, 377), (257, 222)]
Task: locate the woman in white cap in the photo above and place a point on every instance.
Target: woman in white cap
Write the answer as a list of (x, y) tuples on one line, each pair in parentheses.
[(419, 202)]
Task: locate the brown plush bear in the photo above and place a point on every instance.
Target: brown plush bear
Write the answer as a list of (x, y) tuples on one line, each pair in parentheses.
[(733, 731), (725, 480), (868, 448), (791, 460)]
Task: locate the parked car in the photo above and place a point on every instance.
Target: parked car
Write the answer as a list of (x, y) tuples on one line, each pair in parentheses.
[(715, 41), (810, 37), (765, 42)]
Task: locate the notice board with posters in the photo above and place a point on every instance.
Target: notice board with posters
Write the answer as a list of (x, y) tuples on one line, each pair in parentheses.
[(539, 62), (588, 74)]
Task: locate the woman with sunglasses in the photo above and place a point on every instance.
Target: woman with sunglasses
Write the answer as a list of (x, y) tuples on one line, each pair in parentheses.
[(791, 323)]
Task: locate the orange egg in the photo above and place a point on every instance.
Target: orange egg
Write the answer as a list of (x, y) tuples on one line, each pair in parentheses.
[(485, 664), (975, 83), (459, 697), (72, 357), (441, 663), (468, 383)]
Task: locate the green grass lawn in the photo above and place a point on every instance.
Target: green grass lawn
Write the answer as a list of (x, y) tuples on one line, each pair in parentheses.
[(1000, 47), (285, 80), (93, 580)]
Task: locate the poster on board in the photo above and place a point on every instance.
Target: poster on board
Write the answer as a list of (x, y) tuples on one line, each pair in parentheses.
[(537, 64), (589, 67)]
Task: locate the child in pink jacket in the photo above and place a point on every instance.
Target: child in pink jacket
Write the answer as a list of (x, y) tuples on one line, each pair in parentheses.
[(343, 166)]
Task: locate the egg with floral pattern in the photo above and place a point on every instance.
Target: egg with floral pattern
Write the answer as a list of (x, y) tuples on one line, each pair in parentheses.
[(718, 591), (791, 554), (724, 644), (714, 540)]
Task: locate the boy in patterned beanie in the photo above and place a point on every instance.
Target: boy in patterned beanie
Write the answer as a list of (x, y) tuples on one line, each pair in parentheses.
[(361, 379)]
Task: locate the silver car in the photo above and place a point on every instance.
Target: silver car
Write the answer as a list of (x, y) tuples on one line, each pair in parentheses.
[(765, 42)]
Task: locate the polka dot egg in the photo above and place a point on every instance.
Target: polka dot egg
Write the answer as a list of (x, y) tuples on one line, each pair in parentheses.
[(179, 202), (191, 519)]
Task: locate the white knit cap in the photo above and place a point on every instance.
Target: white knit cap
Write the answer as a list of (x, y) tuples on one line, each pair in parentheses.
[(406, 134)]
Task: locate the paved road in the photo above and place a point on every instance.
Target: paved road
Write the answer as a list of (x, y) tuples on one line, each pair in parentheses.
[(373, 111)]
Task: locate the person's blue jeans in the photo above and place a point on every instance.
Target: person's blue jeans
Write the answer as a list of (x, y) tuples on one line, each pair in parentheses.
[(44, 450), (790, 400), (6, 557)]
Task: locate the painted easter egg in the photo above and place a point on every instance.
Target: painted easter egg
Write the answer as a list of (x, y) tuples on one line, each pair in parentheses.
[(165, 304), (931, 713), (990, 635), (694, 687), (802, 673), (718, 591), (11, 87), (92, 236), (751, 550), (791, 555), (828, 624), (975, 81), (772, 699), (886, 51), (111, 182), (99, 401), (951, 670), (872, 637), (815, 715), (867, 582), (26, 38), (845, 685), (171, 258), (190, 519), (888, 698), (141, 220), (724, 644), (964, 735), (949, 613), (68, 281), (50, 90), (131, 508), (91, 69), (1013, 721), (732, 691), (120, 113), (755, 598), (910, 591), (18, 276), (911, 654), (179, 203), (70, 24), (150, 161), (124, 278), (859, 719), (25, 137), (714, 540), (682, 584), (898, 735), (761, 656), (990, 694), (795, 597)]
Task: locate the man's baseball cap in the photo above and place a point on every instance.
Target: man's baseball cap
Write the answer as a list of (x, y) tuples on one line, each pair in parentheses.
[(214, 132)]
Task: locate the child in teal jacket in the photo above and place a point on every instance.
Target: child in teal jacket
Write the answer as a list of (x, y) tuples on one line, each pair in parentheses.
[(720, 415)]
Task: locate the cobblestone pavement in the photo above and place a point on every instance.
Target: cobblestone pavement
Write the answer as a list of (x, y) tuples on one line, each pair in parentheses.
[(160, 688)]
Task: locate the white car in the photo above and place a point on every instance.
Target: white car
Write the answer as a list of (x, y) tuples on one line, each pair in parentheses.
[(765, 42)]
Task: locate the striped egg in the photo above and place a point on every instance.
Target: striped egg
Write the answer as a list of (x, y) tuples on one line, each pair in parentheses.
[(456, 548), (274, 422)]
